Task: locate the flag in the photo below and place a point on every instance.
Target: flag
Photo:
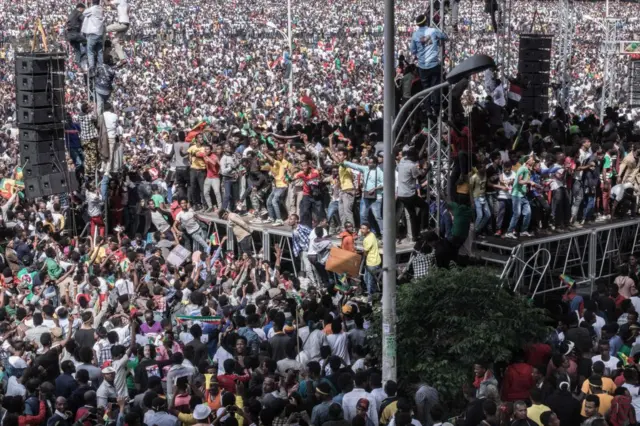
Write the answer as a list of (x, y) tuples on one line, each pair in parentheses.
[(215, 241), (195, 131), (309, 105), (515, 92), (343, 284), (566, 279), (208, 320), (9, 186), (17, 174)]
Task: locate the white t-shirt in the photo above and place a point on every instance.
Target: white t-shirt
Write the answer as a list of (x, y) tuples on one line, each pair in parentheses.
[(338, 343), (159, 221), (609, 366), (111, 123), (14, 388), (188, 221), (124, 287), (635, 398), (123, 11), (617, 191)]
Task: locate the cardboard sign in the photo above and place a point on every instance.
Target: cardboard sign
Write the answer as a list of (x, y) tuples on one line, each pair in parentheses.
[(178, 256), (344, 262)]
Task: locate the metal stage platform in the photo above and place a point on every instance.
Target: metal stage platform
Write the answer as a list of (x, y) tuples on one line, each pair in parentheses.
[(533, 265), (266, 235)]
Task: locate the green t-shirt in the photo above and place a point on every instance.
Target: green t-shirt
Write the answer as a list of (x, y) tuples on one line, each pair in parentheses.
[(520, 190), (54, 270), (608, 165), (131, 367), (157, 199), (462, 216)]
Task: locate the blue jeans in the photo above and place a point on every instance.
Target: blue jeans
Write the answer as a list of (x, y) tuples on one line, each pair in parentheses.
[(334, 211), (94, 50), (273, 203), (104, 186), (77, 155), (375, 206), (589, 207), (229, 185), (483, 213), (520, 206), (370, 278)]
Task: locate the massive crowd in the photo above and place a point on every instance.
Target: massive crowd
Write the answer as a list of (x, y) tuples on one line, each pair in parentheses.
[(121, 306)]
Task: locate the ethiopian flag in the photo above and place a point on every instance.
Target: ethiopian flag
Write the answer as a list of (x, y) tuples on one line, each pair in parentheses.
[(9, 186), (567, 280), (309, 105)]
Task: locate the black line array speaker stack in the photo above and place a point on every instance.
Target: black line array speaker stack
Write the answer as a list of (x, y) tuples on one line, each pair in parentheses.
[(40, 81), (534, 67), (634, 83)]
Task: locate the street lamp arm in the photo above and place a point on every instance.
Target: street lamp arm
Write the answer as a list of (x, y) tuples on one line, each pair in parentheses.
[(404, 124), (423, 94)]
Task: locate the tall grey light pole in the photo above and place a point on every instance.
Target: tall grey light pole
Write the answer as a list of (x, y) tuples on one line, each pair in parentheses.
[(290, 33), (289, 39), (389, 371)]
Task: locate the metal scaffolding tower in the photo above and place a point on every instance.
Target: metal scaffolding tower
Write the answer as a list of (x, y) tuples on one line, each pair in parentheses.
[(437, 131), (609, 50), (566, 31)]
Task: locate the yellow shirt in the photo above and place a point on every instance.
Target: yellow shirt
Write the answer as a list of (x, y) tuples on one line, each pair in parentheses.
[(345, 175), (279, 170), (535, 411), (370, 245), (196, 162), (605, 404), (388, 413), (607, 385)]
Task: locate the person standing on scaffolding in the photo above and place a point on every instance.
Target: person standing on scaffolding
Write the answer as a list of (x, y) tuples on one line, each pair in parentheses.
[(425, 47), (120, 28), (491, 7), (74, 36), (93, 29)]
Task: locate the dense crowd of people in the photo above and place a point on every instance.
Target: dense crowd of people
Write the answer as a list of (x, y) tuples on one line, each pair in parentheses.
[(120, 304)]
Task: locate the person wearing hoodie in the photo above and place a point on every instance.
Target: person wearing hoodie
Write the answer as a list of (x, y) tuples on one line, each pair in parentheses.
[(178, 369), (93, 28), (483, 379), (518, 380)]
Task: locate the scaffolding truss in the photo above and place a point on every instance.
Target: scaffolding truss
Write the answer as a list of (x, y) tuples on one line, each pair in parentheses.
[(566, 28), (534, 266), (609, 50), (437, 130)]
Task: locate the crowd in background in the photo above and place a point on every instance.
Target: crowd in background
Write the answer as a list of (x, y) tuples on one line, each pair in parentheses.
[(121, 305)]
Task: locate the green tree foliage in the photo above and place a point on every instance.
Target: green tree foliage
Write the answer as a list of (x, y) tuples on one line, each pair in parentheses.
[(453, 319)]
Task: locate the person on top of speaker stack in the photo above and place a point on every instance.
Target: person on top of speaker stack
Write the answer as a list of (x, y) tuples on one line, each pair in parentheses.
[(425, 47), (88, 139), (93, 28), (74, 36), (120, 28)]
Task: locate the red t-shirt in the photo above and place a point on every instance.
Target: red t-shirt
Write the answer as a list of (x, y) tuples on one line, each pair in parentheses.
[(213, 170), (460, 142), (310, 179)]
